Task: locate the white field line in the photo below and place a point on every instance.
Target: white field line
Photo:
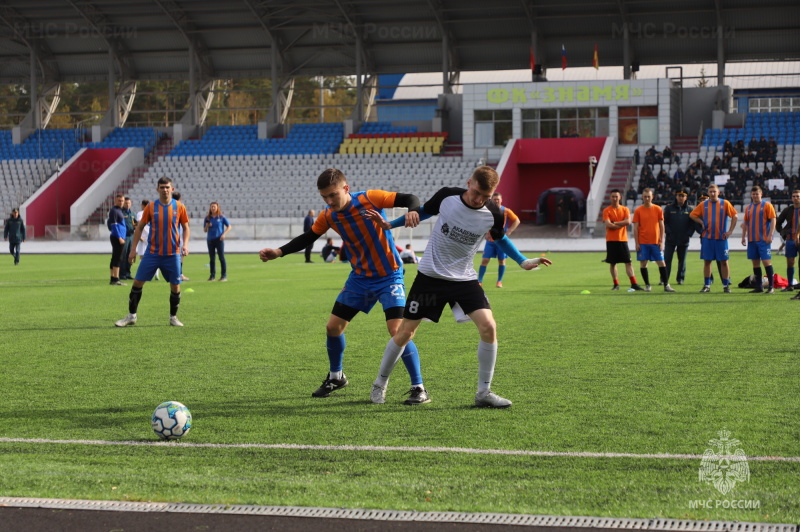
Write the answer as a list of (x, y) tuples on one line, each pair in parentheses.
[(385, 448)]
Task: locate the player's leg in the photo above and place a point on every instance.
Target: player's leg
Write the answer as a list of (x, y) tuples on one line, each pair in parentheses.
[(487, 358), (410, 354), (791, 255), (643, 269), (335, 344), (765, 252), (613, 269), (212, 259), (501, 270), (669, 251), (484, 263)]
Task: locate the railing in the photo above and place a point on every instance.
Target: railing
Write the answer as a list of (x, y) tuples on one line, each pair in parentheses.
[(700, 135)]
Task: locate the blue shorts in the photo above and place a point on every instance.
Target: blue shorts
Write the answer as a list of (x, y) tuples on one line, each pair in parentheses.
[(361, 293), (170, 266), (493, 251), (791, 249), (713, 249), (759, 251), (650, 252)]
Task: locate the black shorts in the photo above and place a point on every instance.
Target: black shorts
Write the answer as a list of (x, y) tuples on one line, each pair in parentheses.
[(429, 295), (617, 253)]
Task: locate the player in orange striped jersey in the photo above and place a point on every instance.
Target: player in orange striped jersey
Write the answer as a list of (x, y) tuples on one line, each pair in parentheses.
[(718, 218), (164, 249), (757, 232), (376, 270)]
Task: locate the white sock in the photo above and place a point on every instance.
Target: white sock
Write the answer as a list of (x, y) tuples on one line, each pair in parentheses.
[(487, 355), (390, 357), (335, 375)]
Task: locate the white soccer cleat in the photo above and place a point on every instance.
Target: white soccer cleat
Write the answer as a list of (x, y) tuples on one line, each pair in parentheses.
[(378, 394), (491, 400), (130, 319), (530, 264), (175, 322)]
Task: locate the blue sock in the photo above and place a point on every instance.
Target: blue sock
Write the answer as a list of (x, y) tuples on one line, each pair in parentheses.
[(770, 275), (501, 271), (790, 275), (410, 358), (708, 281), (726, 282), (335, 346), (481, 273)]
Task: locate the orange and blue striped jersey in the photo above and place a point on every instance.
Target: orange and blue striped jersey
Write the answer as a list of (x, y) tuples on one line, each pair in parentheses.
[(508, 218), (371, 250), (795, 224), (165, 222), (715, 216), (759, 218)]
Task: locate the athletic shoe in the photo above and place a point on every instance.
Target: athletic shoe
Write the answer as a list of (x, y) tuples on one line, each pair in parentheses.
[(223, 279), (329, 386), (491, 400), (211, 278), (417, 396), (637, 288), (184, 278), (788, 289), (769, 290), (661, 283), (758, 290), (615, 287), (727, 289), (130, 319), (175, 322), (680, 282), (378, 394), (706, 289), (795, 297), (117, 283), (668, 288), (499, 284), (647, 288), (156, 276)]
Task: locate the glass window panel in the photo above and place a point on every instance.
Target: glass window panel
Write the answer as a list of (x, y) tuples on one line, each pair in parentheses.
[(587, 113), (549, 129), (502, 133), (483, 115), (549, 114), (530, 130), (484, 134), (503, 115), (628, 131), (530, 114), (648, 111), (602, 128), (569, 113), (602, 112), (569, 128), (586, 128), (648, 131), (626, 112)]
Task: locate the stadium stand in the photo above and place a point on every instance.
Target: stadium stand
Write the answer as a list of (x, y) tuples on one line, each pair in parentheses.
[(243, 140), (379, 128), (146, 138), (19, 178), (42, 144), (282, 186)]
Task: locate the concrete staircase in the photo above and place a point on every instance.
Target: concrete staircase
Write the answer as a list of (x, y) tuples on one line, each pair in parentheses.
[(684, 145), (620, 177), (101, 213)]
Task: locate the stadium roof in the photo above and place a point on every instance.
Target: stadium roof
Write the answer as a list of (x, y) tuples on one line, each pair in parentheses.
[(77, 40)]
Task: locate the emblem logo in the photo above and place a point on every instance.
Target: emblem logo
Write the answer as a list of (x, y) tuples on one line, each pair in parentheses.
[(724, 464), (445, 229)]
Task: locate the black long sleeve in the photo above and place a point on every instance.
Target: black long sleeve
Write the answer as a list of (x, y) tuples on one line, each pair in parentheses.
[(410, 201), (299, 243)]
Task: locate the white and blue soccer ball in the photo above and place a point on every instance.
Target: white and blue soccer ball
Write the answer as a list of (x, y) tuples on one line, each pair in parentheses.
[(171, 420)]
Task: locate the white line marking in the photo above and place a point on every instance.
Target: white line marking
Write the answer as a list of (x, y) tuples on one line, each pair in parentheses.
[(385, 448)]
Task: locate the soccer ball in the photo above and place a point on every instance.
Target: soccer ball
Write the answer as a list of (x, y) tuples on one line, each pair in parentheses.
[(171, 420)]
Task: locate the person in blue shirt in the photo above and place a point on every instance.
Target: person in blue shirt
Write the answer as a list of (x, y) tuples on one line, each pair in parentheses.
[(116, 224), (216, 227)]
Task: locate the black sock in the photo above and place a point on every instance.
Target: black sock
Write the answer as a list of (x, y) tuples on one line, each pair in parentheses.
[(770, 275), (757, 280), (662, 270), (174, 302), (645, 275), (134, 298)]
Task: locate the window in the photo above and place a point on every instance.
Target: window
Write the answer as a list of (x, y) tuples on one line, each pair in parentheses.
[(773, 105), (555, 123), (638, 125), (492, 128)]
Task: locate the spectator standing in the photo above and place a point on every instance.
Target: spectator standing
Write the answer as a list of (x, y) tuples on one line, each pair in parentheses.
[(130, 227), (717, 219), (308, 221), (788, 226), (216, 226), (617, 218), (757, 232), (116, 224), (679, 229), (14, 233)]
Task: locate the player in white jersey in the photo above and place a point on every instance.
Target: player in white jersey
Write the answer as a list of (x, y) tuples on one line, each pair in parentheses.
[(446, 275)]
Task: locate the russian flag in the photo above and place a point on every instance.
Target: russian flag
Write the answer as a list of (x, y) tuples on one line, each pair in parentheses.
[(563, 57)]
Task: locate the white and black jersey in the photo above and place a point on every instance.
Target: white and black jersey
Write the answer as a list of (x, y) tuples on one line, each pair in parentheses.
[(457, 235)]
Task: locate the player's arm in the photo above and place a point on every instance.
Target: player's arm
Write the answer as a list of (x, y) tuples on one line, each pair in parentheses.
[(771, 233), (734, 220), (227, 226), (662, 233), (293, 246), (185, 249), (137, 236), (611, 225), (636, 235), (515, 221), (410, 202)]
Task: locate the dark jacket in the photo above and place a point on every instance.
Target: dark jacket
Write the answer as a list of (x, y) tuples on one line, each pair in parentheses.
[(116, 222), (784, 223), (130, 222), (678, 227), (14, 230)]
